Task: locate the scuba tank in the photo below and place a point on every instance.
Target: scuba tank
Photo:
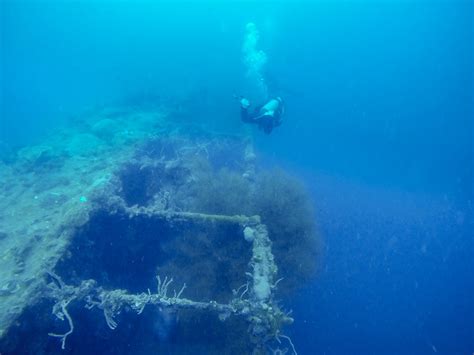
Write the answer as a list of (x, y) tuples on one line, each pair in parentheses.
[(272, 106)]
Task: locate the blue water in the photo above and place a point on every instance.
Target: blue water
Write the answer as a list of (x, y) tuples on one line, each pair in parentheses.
[(379, 100)]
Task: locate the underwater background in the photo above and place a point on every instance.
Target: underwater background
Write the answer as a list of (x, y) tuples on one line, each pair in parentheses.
[(378, 123)]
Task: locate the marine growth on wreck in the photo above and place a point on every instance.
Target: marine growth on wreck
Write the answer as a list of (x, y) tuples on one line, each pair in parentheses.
[(129, 232)]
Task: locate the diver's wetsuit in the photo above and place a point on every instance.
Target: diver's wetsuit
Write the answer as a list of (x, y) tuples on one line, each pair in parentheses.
[(266, 117)]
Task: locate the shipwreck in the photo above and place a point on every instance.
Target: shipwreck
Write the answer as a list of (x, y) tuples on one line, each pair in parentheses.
[(131, 231)]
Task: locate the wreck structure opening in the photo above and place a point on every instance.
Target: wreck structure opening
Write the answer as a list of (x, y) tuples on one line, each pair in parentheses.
[(127, 252)]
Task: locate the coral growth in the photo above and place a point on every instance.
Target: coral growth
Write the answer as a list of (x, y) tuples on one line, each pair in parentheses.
[(284, 206)]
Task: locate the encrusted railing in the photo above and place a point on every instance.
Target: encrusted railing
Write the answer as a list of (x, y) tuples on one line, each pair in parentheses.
[(253, 301)]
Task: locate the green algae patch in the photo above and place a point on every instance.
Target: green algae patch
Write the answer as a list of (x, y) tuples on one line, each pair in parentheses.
[(84, 144), (106, 128)]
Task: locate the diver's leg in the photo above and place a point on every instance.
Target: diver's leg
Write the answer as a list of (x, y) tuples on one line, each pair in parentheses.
[(268, 129), (266, 123)]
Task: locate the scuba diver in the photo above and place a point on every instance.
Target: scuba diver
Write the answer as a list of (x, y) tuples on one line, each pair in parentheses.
[(267, 116)]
